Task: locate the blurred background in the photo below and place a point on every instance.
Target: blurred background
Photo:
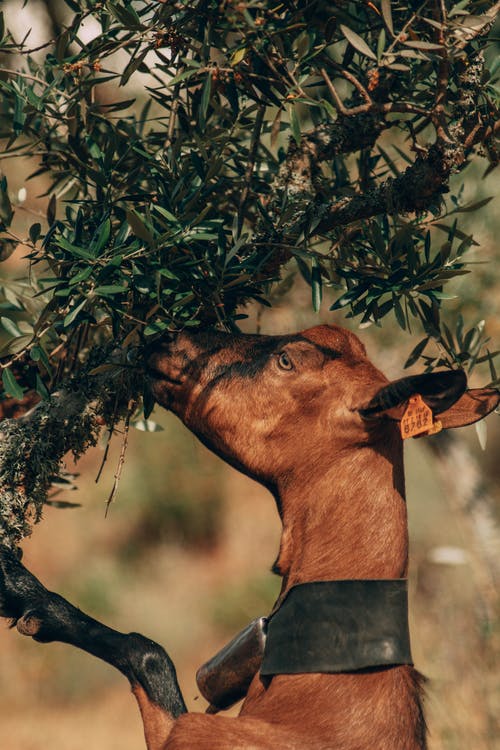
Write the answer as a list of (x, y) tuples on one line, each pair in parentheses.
[(184, 553)]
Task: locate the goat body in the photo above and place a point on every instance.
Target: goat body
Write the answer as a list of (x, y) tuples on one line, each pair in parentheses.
[(312, 419)]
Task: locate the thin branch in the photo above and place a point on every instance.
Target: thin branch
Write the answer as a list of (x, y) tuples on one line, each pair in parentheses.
[(401, 108), (110, 431), (438, 114), (121, 459), (35, 79), (173, 114), (398, 37), (346, 111), (370, 105), (355, 81), (339, 104)]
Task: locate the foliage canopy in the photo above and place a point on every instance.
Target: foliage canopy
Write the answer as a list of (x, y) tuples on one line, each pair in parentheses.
[(267, 138)]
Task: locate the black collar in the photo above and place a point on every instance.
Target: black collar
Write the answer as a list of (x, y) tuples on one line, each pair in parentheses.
[(338, 626), (323, 626)]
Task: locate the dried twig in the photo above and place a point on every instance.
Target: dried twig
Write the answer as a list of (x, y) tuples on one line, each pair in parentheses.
[(121, 459), (346, 111), (438, 114), (108, 443)]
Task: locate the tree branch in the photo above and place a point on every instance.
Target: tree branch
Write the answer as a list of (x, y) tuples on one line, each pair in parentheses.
[(31, 449), (415, 190), (33, 445)]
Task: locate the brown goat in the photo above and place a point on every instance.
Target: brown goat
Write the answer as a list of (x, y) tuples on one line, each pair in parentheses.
[(315, 422)]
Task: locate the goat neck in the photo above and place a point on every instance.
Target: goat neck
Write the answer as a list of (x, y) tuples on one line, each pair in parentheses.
[(347, 519)]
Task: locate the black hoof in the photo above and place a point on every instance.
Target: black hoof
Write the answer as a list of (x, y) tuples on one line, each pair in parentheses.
[(20, 591)]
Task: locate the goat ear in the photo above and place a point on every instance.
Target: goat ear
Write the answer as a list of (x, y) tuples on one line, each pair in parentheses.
[(471, 407), (444, 392), (439, 390)]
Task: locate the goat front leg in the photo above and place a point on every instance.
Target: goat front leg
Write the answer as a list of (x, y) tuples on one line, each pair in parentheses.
[(46, 617)]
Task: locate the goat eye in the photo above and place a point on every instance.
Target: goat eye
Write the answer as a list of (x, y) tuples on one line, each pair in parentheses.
[(285, 362)]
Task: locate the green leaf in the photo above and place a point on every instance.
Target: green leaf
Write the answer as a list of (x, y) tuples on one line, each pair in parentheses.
[(168, 274), (458, 7), (19, 115), (11, 386), (316, 285), (195, 234), (34, 232), (357, 42), (238, 56), (41, 388), (474, 206), (134, 64), (38, 354), (184, 75), (127, 16), (6, 211), (398, 311), (70, 317), (442, 295), (62, 45), (387, 14), (490, 356), (205, 99), (416, 352), (79, 252), (380, 44), (423, 45), (139, 227), (19, 344), (397, 66), (51, 210), (167, 215), (10, 326), (110, 289), (82, 275), (157, 326), (117, 106), (101, 237)]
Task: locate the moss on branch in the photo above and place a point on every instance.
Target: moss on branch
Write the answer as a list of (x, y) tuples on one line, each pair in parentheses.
[(33, 446)]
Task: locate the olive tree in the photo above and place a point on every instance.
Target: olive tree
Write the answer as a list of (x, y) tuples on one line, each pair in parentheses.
[(198, 155)]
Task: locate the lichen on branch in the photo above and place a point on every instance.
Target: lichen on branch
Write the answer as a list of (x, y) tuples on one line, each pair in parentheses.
[(33, 446)]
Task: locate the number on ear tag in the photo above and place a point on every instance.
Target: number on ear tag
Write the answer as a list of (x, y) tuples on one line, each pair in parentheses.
[(417, 418)]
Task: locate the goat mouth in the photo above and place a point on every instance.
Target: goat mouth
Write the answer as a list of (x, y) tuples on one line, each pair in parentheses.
[(156, 367), (154, 374)]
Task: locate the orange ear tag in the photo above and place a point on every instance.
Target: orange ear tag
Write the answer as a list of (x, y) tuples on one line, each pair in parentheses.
[(418, 419)]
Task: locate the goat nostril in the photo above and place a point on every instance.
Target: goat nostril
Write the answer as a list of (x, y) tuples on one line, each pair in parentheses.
[(161, 344)]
